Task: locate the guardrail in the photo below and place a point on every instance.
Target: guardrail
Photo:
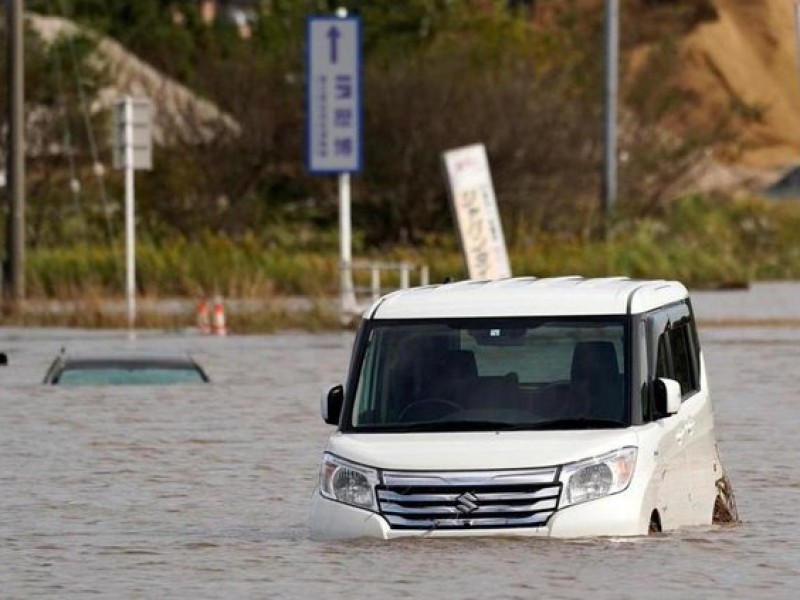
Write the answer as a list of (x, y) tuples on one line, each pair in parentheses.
[(404, 271)]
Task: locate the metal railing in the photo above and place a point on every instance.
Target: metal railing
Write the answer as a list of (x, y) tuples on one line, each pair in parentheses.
[(403, 269)]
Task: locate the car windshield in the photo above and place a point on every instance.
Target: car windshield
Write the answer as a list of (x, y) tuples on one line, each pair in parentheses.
[(493, 374), (120, 375)]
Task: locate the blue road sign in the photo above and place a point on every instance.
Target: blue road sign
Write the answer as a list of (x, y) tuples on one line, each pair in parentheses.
[(333, 95)]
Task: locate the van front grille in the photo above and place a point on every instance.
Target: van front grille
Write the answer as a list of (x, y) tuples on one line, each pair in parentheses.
[(469, 500)]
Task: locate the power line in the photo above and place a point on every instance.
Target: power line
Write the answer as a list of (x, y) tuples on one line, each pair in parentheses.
[(74, 183), (98, 168)]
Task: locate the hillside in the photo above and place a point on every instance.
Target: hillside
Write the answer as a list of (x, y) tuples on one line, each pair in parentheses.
[(441, 75), (746, 60), (180, 113)]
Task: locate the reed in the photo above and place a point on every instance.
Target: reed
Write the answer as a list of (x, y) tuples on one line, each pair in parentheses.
[(700, 241), (94, 313)]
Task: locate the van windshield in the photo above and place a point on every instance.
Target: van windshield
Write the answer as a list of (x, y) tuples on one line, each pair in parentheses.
[(492, 374)]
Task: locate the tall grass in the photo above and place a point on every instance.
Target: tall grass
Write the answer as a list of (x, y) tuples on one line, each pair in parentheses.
[(700, 241), (95, 313)]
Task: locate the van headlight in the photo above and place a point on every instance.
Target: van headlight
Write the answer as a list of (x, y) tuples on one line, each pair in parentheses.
[(348, 482), (597, 477)]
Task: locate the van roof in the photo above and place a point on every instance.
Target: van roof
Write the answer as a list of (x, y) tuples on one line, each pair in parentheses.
[(529, 296)]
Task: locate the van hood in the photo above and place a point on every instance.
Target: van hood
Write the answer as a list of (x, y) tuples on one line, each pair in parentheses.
[(476, 449)]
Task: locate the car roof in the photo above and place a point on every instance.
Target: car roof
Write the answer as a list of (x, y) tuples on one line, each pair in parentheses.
[(72, 361), (173, 361), (529, 296)]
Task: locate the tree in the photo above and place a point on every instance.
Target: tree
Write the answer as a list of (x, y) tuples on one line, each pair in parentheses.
[(56, 143)]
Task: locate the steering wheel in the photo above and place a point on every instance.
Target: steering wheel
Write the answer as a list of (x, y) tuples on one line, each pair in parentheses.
[(429, 408)]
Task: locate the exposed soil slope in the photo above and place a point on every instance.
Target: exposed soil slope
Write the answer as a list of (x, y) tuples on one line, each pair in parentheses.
[(180, 114), (746, 60)]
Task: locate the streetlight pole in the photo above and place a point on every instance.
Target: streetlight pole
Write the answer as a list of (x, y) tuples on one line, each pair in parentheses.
[(611, 100), (15, 254)]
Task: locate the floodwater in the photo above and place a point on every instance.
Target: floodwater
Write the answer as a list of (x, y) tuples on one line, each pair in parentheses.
[(202, 492)]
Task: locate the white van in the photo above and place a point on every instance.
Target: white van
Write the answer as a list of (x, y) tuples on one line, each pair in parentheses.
[(528, 407)]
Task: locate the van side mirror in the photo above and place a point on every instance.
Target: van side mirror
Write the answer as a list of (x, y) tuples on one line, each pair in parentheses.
[(330, 404), (3, 359), (668, 396)]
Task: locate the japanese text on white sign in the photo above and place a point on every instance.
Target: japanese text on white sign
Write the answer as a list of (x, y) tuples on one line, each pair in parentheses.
[(475, 210)]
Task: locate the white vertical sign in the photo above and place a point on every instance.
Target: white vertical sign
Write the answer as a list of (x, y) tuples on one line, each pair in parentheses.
[(475, 209), (333, 95), (333, 119), (141, 136)]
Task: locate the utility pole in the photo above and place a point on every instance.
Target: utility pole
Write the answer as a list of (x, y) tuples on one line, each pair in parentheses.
[(14, 274), (611, 99)]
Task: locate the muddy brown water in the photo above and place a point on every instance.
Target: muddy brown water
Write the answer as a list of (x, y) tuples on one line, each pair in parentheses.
[(202, 491)]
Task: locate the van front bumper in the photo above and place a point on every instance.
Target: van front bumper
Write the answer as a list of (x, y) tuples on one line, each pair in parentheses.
[(616, 515)]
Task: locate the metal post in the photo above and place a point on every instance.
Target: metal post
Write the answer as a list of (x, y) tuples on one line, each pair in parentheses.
[(376, 282), (797, 28), (611, 93), (15, 274), (130, 229), (348, 297), (405, 275)]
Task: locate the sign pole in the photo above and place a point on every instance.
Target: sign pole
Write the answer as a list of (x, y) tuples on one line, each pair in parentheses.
[(132, 143), (348, 297), (611, 93), (333, 122), (130, 229)]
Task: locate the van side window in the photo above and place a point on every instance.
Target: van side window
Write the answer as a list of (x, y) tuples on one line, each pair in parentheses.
[(695, 339), (683, 369), (674, 352), (662, 364)]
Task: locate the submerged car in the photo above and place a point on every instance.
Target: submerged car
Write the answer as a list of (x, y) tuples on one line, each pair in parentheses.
[(124, 370), (559, 407)]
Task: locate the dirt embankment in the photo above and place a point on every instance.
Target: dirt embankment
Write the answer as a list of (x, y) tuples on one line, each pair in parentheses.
[(746, 62), (180, 115)]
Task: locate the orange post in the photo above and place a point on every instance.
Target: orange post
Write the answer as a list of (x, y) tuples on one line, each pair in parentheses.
[(218, 318), (203, 318)]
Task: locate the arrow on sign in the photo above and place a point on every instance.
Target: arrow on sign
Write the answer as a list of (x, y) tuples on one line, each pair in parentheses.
[(333, 36)]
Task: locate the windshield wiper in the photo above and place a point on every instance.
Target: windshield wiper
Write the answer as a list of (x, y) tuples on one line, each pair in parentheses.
[(457, 426), (577, 423)]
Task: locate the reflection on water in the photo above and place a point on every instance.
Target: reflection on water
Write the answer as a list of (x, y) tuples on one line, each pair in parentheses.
[(202, 491)]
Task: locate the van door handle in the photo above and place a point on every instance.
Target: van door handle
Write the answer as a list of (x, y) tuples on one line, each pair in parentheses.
[(681, 434)]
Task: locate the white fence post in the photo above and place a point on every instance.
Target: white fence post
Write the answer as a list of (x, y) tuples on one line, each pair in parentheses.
[(376, 282), (405, 279), (375, 268)]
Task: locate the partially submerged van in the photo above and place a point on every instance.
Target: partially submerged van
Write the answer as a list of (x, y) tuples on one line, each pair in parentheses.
[(557, 407)]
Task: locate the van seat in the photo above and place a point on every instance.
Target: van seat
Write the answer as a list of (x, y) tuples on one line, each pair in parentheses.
[(496, 391)]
